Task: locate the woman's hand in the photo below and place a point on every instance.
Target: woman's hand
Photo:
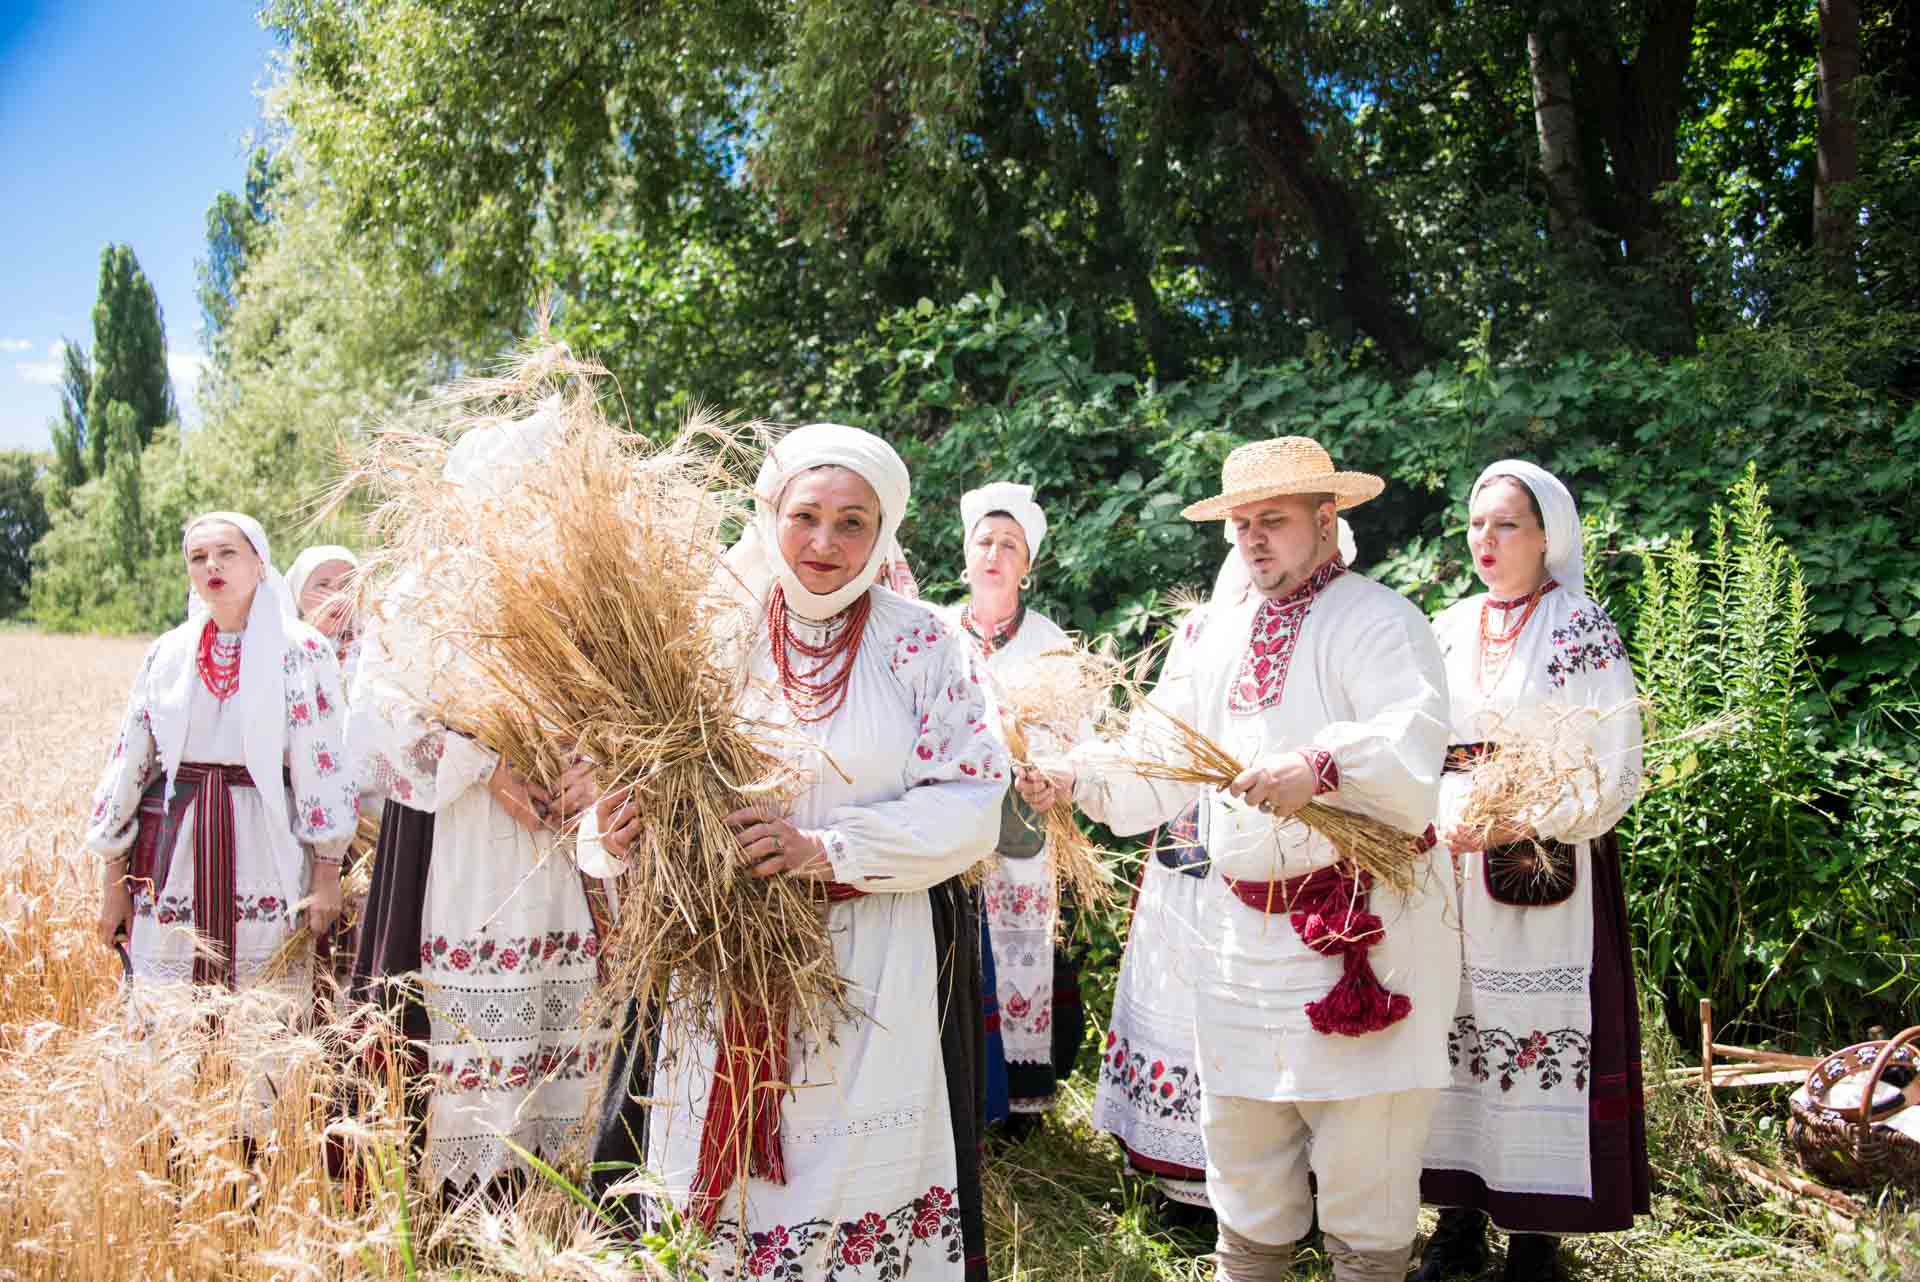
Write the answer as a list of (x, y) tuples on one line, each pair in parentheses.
[(579, 788), (116, 906), (618, 816), (527, 803), (771, 844), (1462, 838), (323, 897), (1044, 787)]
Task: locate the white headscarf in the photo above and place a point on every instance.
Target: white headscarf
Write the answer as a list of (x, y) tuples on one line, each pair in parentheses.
[(1231, 583), (1566, 557), (310, 560), (487, 461), (756, 559), (261, 699), (1016, 501)]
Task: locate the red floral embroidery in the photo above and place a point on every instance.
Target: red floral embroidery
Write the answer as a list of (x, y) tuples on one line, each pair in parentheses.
[(1262, 678)]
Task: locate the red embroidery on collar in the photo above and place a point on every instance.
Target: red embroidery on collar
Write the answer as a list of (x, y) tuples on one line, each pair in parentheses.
[(1262, 678)]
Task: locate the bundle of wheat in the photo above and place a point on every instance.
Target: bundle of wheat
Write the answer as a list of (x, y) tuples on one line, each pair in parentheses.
[(585, 615), (1050, 702), (1182, 754)]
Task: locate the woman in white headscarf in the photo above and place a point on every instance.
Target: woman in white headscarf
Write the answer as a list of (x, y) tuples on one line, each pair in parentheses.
[(239, 710), (468, 889), (873, 1171), (320, 584), (1148, 1096), (1035, 1000), (1542, 1127)]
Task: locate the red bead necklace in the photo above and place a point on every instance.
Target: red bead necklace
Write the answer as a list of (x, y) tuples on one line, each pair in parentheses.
[(810, 698), (1496, 648), (991, 639), (219, 663)]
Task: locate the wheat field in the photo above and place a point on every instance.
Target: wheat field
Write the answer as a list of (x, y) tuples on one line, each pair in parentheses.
[(147, 1141)]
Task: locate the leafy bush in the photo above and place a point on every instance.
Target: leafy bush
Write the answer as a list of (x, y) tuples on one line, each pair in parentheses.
[(1763, 873)]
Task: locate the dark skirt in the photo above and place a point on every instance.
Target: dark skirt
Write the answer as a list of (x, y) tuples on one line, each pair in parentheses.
[(1617, 1124), (620, 1140), (389, 944)]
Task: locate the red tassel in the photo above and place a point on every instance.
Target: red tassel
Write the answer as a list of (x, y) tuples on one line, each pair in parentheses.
[(743, 1109), (1331, 912), (1359, 1003)]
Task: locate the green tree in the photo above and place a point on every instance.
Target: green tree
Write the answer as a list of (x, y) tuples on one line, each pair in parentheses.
[(69, 427), (129, 354), (117, 422), (238, 226), (23, 519)]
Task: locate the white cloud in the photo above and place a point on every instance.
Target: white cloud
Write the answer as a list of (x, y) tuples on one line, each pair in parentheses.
[(47, 373), (16, 344)]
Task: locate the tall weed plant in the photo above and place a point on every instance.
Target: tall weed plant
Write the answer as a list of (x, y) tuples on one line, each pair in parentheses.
[(1749, 880)]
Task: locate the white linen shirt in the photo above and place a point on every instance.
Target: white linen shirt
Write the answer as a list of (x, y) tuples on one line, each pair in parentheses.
[(1365, 683)]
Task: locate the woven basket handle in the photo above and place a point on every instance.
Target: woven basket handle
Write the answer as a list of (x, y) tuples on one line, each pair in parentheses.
[(1880, 1063)]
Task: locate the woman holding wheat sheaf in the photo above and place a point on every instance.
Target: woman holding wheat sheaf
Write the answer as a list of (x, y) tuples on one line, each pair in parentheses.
[(871, 1168), (1036, 988), (1542, 1127), (468, 890), (239, 711)]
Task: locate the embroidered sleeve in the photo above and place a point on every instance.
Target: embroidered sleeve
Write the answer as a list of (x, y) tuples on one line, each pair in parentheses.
[(326, 802), (1601, 733), (1105, 787), (134, 763), (948, 816), (1387, 748), (397, 751)]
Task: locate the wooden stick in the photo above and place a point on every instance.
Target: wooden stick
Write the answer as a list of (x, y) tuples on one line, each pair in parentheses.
[(1766, 1057), (1839, 1210), (1734, 1077), (1706, 1052)]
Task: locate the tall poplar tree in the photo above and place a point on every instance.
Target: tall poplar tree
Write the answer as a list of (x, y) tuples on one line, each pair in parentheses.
[(129, 354)]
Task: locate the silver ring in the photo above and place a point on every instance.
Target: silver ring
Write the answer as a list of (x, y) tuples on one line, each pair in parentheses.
[(777, 846), (1266, 807)]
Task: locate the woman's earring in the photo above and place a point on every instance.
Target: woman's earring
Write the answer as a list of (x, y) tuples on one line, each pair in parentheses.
[(1026, 582)]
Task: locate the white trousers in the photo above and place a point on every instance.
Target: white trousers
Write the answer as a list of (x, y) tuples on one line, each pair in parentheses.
[(1365, 1154)]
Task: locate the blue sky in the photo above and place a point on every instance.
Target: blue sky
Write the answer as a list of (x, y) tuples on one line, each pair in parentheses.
[(118, 122)]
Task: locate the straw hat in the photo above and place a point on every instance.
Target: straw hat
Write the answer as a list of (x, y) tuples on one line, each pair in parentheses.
[(1285, 465)]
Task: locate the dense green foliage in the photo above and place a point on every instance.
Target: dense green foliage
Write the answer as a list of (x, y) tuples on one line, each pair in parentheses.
[(23, 520), (1095, 245)]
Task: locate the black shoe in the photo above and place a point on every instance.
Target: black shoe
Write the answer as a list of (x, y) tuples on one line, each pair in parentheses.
[(1457, 1249), (1532, 1257), (1185, 1217), (1014, 1129)]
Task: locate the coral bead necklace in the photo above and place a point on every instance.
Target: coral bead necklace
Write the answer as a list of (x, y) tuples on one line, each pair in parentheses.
[(219, 662), (810, 697)]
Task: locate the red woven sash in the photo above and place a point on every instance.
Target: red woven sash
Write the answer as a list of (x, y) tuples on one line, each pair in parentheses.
[(1331, 910), (214, 916), (743, 1107)]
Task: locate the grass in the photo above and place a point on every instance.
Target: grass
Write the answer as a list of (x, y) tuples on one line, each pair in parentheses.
[(112, 1168)]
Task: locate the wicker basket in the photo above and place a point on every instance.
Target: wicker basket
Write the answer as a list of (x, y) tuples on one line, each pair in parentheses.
[(1850, 1147)]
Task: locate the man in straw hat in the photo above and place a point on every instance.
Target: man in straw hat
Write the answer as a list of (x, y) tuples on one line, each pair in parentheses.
[(1322, 997)]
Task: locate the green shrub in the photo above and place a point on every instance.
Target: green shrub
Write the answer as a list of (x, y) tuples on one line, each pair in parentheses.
[(1761, 872)]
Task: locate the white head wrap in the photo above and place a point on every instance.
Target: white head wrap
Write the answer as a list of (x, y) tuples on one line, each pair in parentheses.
[(1566, 557), (1016, 501), (1233, 579), (487, 461), (310, 560), (756, 559), (260, 701)]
